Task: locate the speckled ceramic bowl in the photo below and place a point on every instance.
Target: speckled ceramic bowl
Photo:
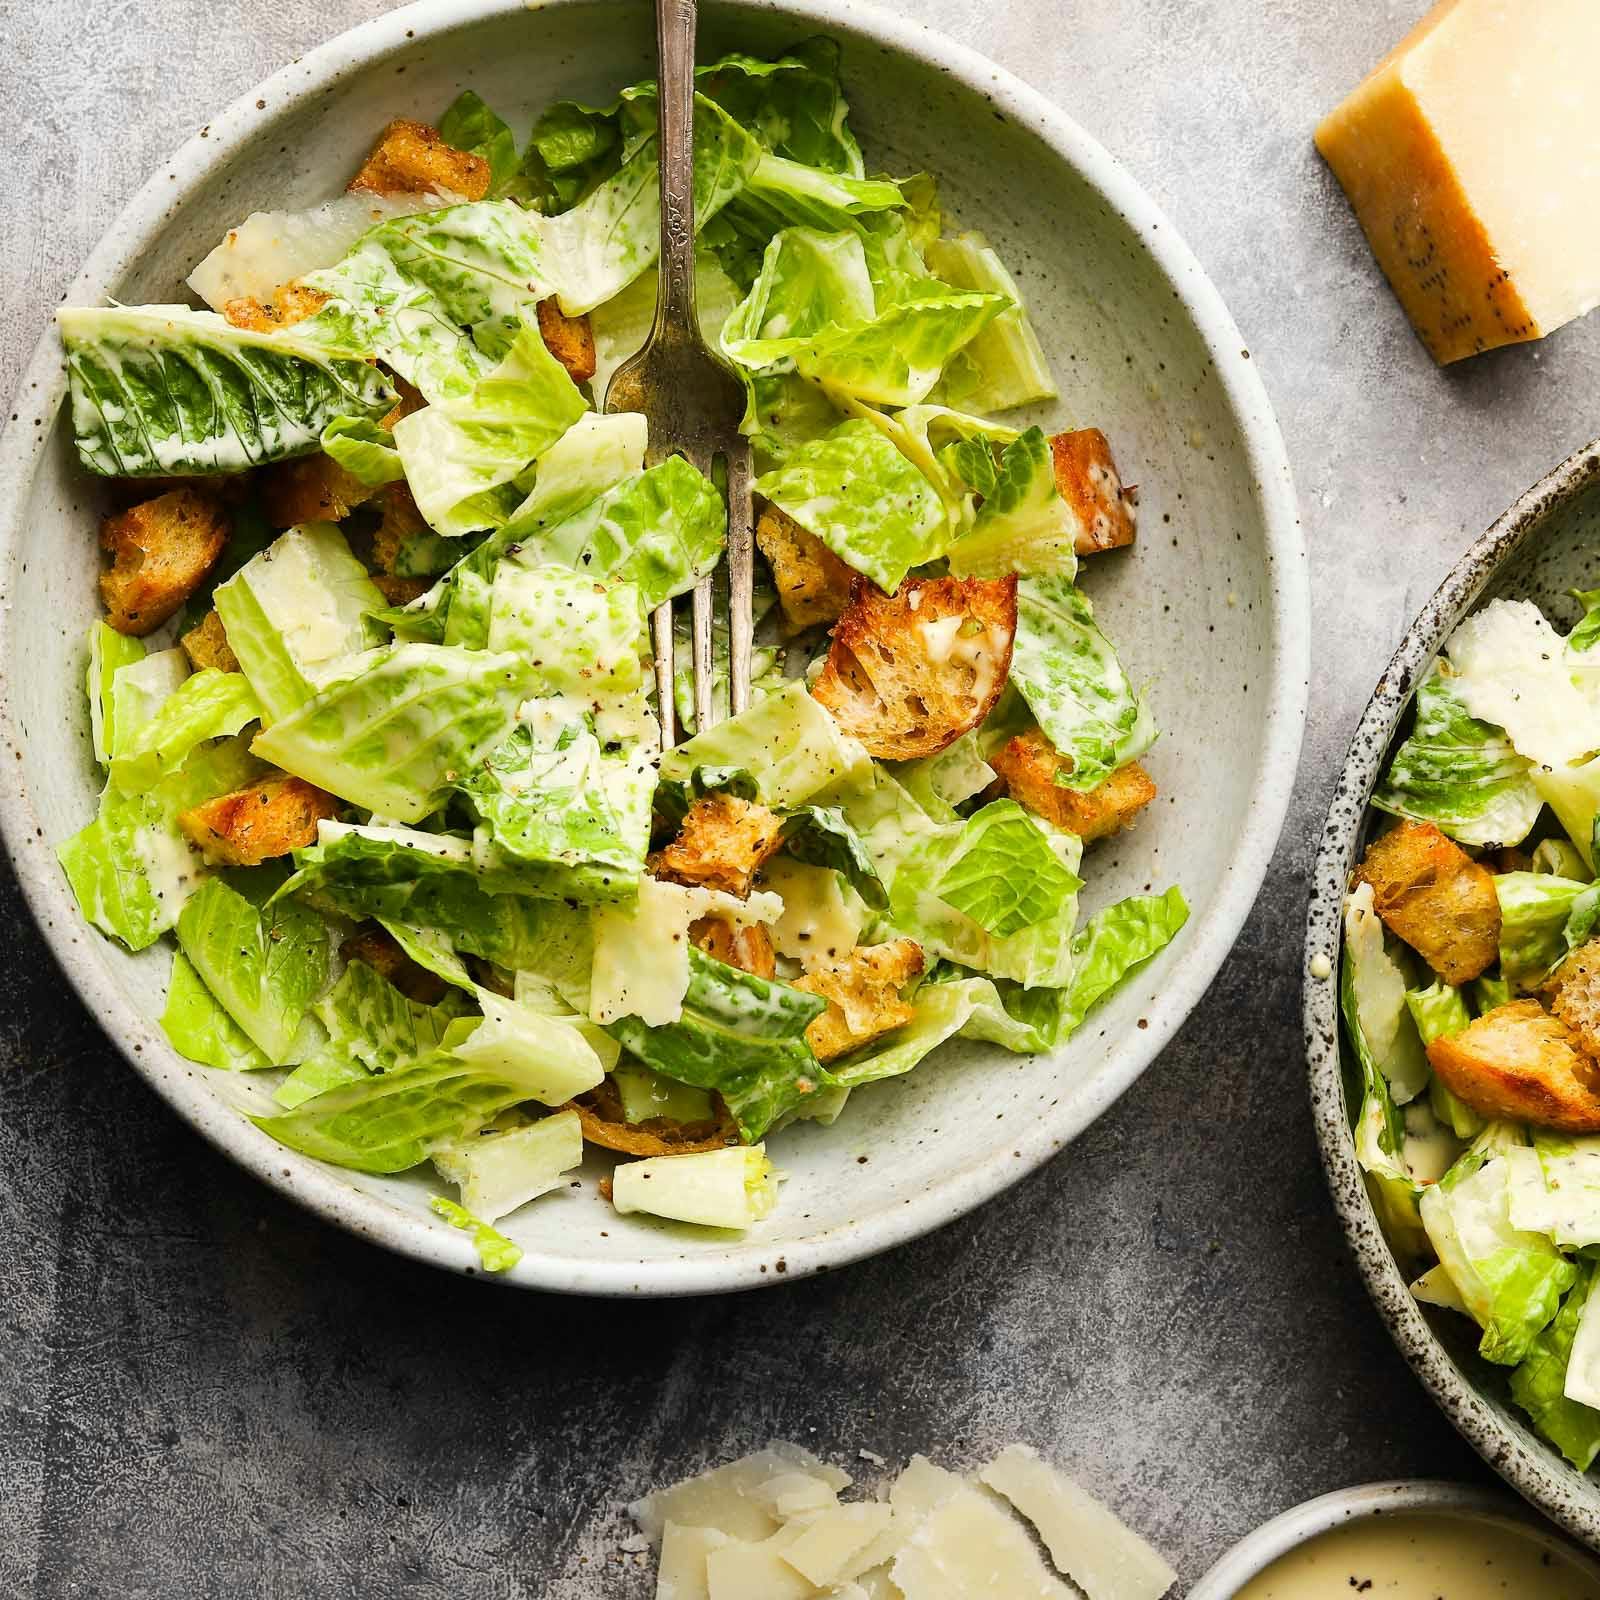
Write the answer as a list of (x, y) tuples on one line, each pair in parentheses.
[(1546, 544), (1257, 1551), (1210, 608)]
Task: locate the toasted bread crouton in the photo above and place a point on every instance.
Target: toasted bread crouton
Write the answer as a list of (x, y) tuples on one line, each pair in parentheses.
[(160, 552), (249, 826), (600, 1115), (1028, 765), (411, 400), (1574, 995), (207, 645), (569, 339), (411, 158), (375, 945), (1432, 894), (813, 584), (400, 522), (1088, 481), (309, 489), (400, 591), (1520, 1063), (291, 303), (909, 673), (863, 995), (721, 844), (747, 947)]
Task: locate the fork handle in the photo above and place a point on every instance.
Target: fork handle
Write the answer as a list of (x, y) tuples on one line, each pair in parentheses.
[(675, 28)]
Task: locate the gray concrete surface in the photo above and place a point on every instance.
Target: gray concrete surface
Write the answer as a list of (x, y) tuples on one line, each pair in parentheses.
[(205, 1392)]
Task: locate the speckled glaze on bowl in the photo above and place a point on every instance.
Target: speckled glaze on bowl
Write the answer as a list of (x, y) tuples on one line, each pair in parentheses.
[(1257, 1551), (1210, 608), (1546, 544)]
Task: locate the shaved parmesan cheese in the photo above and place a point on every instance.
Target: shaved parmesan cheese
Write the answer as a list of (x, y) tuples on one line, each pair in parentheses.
[(682, 1573), (922, 1488), (733, 1499), (874, 1585), (741, 1571), (831, 1543), (968, 1545), (1103, 1556), (792, 1494)]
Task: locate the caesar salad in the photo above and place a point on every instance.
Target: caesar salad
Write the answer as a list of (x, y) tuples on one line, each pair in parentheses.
[(371, 697), (1470, 990)]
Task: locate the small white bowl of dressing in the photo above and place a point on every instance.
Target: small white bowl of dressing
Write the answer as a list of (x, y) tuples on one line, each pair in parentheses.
[(1407, 1540)]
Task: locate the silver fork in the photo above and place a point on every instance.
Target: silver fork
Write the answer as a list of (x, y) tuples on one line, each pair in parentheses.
[(692, 399)]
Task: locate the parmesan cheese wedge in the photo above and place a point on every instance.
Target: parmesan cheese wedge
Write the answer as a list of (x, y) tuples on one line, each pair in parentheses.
[(682, 1572), (1104, 1557), (969, 1545), (736, 1499), (1471, 157), (833, 1546)]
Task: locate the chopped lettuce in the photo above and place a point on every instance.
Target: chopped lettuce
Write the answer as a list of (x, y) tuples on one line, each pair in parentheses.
[(715, 1188), (500, 1169), (163, 391), (496, 1253), (1379, 990), (1543, 1383), (468, 124), (208, 705), (551, 1054), (202, 1030), (138, 691), (939, 783), (109, 652), (365, 449), (1023, 525), (1439, 1011), (1534, 908), (1005, 876), (1111, 944)]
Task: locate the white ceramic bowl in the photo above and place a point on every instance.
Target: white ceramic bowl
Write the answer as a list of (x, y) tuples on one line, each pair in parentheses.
[(1257, 1551), (1211, 607)]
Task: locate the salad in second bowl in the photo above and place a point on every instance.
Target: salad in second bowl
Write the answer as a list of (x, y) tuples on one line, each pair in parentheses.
[(389, 768), (1470, 990)]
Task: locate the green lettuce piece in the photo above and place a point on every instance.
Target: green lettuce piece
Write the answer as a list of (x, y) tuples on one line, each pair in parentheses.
[(393, 734), (1460, 774), (1379, 990), (470, 125), (585, 638), (1539, 1383), (1438, 1011), (130, 868), (645, 1095), (1112, 943), (296, 613), (713, 1188), (1023, 524), (501, 1168), (162, 391), (822, 836), (496, 1253), (811, 284), (941, 782), (571, 149), (1534, 909), (1555, 1188), (784, 194), (1005, 365), (786, 742), (138, 692), (264, 963), (1559, 857), (785, 413), (200, 1029), (1074, 684), (1583, 636), (429, 882), (460, 455), (391, 1121), (430, 949), (365, 449), (930, 437), (208, 705), (741, 1035), (109, 652), (1510, 1280), (862, 499), (554, 1054), (1006, 876)]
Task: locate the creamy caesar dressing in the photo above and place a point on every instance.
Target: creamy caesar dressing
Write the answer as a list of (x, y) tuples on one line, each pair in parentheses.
[(1421, 1556)]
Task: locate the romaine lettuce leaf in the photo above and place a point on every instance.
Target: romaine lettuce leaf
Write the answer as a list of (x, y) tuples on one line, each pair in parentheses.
[(1111, 944), (295, 613), (109, 651), (208, 705), (500, 1169), (714, 1188), (863, 499), (393, 734), (200, 1029), (264, 963), (1534, 909), (1540, 1382), (741, 1035), (166, 391), (470, 125), (365, 449), (1587, 633), (496, 1253), (941, 782), (1439, 1011), (1074, 684), (1382, 1012), (1023, 524), (822, 836), (1005, 876), (1460, 774), (549, 1053), (585, 638), (787, 194), (460, 455)]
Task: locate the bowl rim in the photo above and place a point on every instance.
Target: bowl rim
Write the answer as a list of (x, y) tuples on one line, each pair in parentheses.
[(1362, 1502), (1209, 939), (1533, 1469)]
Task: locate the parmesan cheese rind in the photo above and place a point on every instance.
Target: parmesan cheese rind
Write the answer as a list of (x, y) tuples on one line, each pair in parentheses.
[(1104, 1557)]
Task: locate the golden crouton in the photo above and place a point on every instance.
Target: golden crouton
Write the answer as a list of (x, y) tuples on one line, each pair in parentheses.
[(400, 522), (1574, 995), (863, 995), (411, 399), (400, 591), (207, 645), (1087, 479), (600, 1116), (1433, 895), (721, 844), (292, 303), (1028, 765), (747, 947), (309, 489), (252, 825), (375, 945), (411, 158), (909, 673), (813, 584), (161, 551), (569, 339), (1519, 1063)]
